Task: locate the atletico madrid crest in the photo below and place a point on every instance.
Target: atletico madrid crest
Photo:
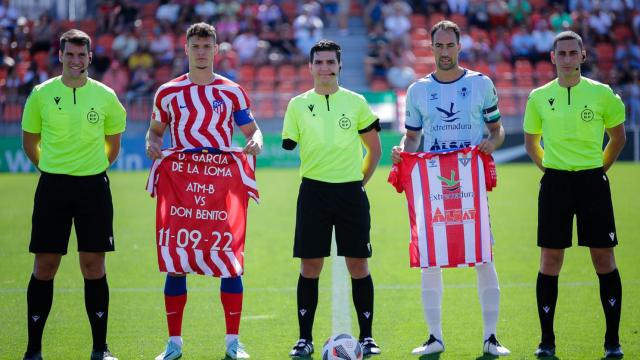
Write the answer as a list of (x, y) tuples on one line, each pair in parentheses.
[(218, 106)]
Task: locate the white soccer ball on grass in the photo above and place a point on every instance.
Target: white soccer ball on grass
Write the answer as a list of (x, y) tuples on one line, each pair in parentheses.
[(342, 347)]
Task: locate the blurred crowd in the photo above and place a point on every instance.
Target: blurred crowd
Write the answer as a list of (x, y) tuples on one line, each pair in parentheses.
[(496, 33), (138, 44)]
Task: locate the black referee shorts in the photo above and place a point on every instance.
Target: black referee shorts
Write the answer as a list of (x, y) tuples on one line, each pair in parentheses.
[(585, 194), (321, 206), (61, 200)]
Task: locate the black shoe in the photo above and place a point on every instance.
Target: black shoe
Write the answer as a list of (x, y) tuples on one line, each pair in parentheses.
[(102, 355), (613, 351), (545, 350), (302, 348), (32, 355), (369, 347)]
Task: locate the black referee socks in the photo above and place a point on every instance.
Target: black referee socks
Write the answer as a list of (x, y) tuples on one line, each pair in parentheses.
[(611, 298), (39, 300), (547, 296), (96, 300), (362, 292), (307, 304)]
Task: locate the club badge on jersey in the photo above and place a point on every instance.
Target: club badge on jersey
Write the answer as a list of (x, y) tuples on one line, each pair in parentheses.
[(201, 210), (448, 211)]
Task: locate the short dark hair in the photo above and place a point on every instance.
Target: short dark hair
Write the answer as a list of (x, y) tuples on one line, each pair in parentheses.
[(76, 37), (567, 35), (202, 30), (325, 45), (446, 25)]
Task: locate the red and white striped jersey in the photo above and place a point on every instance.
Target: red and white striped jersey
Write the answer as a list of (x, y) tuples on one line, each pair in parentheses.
[(201, 115), (201, 210), (448, 210)]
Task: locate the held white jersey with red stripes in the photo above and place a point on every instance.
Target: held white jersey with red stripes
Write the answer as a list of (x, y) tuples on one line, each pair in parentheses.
[(448, 211), (201, 210), (201, 115)]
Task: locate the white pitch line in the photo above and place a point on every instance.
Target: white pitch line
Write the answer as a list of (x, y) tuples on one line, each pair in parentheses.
[(340, 306)]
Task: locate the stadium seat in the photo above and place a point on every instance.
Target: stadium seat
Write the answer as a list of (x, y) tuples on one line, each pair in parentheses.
[(605, 52), (247, 73), (481, 67), (544, 71), (12, 112), (287, 72), (304, 74), (162, 74), (504, 71), (420, 34), (148, 10), (418, 21), (622, 32), (459, 19), (89, 26), (423, 68), (41, 58), (264, 109), (106, 42), (266, 73), (286, 86), (508, 105), (289, 9), (434, 18)]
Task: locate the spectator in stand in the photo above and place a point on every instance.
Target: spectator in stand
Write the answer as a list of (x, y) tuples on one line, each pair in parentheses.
[(100, 62), (141, 84), (344, 8), (308, 29), (458, 6), (226, 69), (498, 11), (205, 10), (391, 7), (377, 34), (8, 16), (401, 73), (125, 44), (560, 20), (377, 62), (107, 15), (600, 24), (629, 51), (246, 45), (372, 14), (501, 47), (466, 47), (478, 14), (269, 13), (522, 44), (580, 4), (227, 28), (162, 45), (141, 58), (520, 10), (116, 78), (397, 23), (542, 40), (228, 7), (226, 54), (43, 33), (329, 9), (169, 12)]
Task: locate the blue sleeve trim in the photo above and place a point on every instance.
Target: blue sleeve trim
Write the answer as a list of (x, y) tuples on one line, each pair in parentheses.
[(243, 117), (412, 128)]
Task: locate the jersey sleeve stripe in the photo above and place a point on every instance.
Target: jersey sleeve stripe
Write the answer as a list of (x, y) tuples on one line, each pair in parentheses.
[(412, 128)]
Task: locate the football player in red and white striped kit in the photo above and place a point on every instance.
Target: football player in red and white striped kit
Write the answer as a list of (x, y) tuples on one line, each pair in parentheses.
[(200, 109)]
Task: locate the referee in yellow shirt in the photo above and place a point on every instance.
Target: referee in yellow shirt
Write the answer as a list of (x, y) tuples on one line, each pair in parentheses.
[(570, 114), (71, 132), (331, 124)]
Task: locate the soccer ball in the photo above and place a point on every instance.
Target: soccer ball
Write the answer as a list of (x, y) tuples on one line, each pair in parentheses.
[(341, 347)]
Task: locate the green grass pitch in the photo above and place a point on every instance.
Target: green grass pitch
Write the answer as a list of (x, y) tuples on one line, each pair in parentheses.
[(137, 327)]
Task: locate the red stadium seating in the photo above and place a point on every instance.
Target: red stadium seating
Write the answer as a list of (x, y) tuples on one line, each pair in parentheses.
[(418, 21), (12, 112), (605, 52)]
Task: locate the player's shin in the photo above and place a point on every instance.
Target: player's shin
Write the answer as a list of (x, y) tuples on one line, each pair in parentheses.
[(432, 300)]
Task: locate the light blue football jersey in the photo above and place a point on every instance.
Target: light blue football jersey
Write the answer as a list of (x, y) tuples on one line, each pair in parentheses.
[(451, 115)]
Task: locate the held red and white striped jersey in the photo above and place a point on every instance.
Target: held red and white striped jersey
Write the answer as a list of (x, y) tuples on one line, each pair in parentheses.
[(201, 210), (448, 211), (201, 115)]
